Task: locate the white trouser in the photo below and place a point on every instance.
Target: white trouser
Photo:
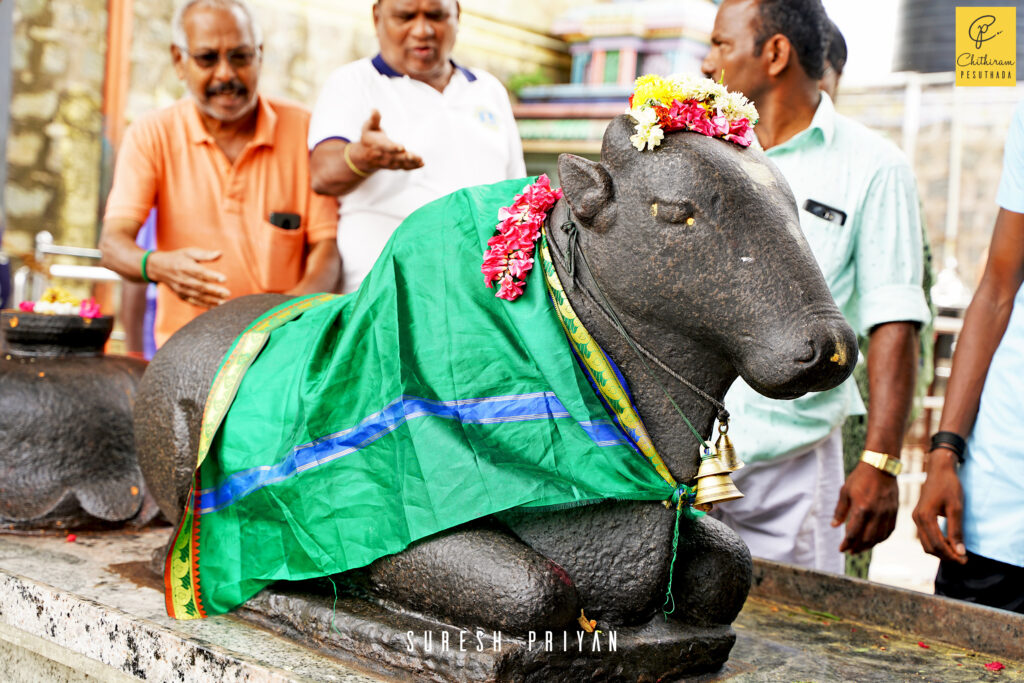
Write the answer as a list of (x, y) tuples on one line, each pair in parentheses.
[(786, 512)]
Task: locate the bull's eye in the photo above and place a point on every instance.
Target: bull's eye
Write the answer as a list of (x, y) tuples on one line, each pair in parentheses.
[(682, 212)]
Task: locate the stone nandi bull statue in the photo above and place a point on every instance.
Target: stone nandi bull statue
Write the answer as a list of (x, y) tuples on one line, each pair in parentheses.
[(696, 245)]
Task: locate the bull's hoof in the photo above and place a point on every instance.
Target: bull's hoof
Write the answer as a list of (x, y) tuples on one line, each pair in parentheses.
[(479, 578)]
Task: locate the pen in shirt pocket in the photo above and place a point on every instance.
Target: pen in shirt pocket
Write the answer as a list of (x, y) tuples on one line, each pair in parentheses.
[(284, 220)]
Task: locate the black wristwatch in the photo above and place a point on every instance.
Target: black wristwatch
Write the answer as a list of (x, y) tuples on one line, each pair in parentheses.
[(952, 441)]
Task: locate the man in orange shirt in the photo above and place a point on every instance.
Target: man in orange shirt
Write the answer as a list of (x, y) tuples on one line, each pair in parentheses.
[(228, 172)]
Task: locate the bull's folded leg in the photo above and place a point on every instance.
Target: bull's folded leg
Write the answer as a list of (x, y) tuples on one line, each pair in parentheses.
[(712, 574), (618, 555), (616, 552), (478, 577)]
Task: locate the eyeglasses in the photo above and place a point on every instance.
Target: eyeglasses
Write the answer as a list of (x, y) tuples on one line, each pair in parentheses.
[(238, 58)]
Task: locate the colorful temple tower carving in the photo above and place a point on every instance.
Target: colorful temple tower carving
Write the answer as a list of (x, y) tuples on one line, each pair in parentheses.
[(610, 44)]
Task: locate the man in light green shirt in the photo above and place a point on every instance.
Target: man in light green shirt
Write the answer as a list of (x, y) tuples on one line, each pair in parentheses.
[(859, 211)]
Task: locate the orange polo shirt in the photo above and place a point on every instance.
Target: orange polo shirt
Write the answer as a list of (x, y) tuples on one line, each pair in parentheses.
[(169, 160)]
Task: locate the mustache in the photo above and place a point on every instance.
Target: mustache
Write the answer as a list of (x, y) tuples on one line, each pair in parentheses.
[(232, 87)]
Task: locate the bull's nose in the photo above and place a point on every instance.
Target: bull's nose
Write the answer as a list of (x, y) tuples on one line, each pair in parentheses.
[(818, 357), (826, 356), (810, 353)]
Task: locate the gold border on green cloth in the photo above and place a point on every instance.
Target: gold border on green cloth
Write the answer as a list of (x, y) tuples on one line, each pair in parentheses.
[(182, 593), (598, 367)]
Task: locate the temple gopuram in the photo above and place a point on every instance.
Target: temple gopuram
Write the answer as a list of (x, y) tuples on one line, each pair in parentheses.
[(610, 44)]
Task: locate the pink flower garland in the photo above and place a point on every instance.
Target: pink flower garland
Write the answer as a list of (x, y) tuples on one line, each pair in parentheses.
[(693, 115), (509, 257), (88, 308)]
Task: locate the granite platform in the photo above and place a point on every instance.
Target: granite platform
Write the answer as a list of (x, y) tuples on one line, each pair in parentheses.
[(69, 612), (88, 610)]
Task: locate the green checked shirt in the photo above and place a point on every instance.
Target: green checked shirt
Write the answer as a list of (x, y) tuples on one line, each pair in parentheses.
[(858, 208)]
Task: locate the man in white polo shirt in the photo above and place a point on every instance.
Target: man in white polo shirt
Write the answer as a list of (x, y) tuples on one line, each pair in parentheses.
[(392, 133)]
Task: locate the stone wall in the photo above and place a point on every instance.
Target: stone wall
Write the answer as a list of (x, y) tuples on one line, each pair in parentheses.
[(54, 139), (152, 83), (6, 35), (306, 39), (940, 154)]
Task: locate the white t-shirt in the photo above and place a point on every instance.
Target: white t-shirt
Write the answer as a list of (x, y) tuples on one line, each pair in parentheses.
[(466, 136)]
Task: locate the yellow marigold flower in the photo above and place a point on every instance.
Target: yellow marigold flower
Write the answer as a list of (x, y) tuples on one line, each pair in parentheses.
[(652, 87), (56, 295)]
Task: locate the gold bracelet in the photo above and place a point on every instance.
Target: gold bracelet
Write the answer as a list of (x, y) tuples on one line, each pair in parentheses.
[(882, 461), (353, 167)]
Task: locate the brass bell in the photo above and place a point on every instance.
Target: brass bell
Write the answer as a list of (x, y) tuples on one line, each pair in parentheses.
[(714, 485), (725, 449), (711, 464)]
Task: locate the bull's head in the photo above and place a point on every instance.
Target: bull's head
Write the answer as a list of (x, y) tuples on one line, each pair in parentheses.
[(697, 245)]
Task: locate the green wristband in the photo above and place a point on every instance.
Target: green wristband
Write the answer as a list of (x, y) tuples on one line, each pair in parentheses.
[(145, 257)]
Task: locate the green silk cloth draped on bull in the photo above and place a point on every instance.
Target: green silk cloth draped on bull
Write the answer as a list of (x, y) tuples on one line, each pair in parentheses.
[(342, 428)]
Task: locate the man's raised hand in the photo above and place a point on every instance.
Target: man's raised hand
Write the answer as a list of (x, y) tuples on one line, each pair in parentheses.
[(375, 150)]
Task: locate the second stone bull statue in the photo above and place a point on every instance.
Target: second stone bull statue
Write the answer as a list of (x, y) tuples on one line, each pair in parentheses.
[(694, 251)]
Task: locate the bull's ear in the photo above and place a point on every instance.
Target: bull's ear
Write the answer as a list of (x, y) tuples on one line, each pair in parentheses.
[(588, 190)]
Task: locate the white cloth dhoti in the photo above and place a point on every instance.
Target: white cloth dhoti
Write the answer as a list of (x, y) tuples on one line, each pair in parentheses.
[(786, 512)]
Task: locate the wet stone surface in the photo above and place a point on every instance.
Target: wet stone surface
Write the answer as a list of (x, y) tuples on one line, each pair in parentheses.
[(777, 642)]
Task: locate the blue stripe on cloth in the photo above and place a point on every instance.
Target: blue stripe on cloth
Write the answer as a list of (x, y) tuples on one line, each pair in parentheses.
[(605, 433), (489, 410)]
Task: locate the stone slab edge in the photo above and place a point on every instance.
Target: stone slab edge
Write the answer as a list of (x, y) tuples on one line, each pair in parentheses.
[(963, 624), (392, 642), (56, 656), (110, 644)]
